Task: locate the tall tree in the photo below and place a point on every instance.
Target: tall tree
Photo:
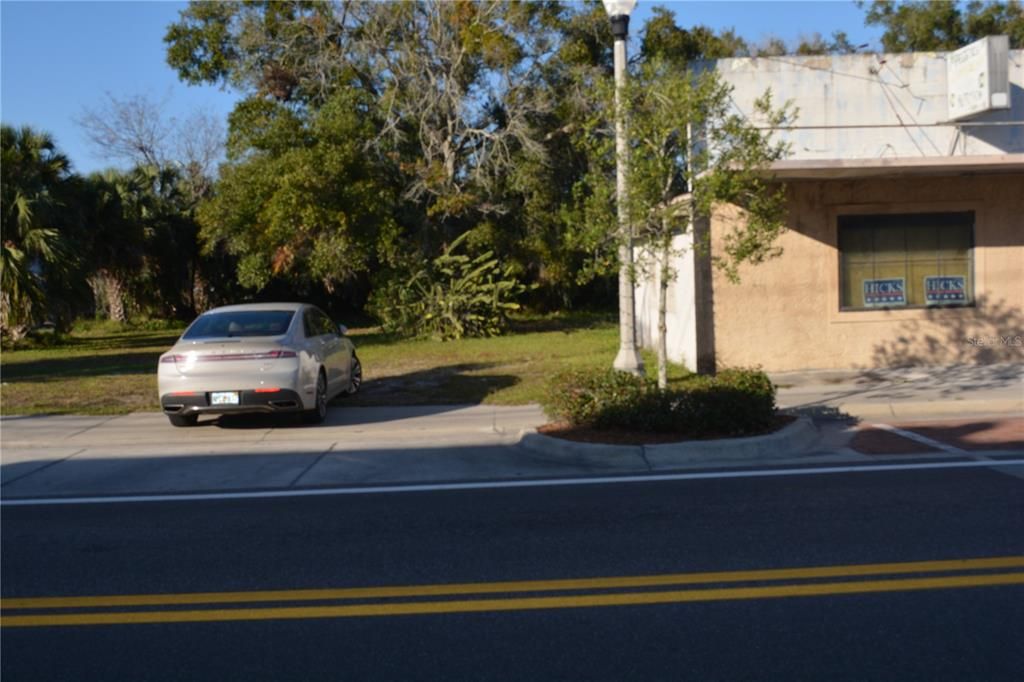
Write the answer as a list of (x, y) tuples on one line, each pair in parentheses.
[(33, 173), (664, 40), (456, 93), (114, 238), (461, 93), (135, 131), (690, 152), (922, 25), (172, 168), (299, 199)]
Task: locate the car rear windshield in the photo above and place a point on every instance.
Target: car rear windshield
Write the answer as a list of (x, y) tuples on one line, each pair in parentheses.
[(240, 323)]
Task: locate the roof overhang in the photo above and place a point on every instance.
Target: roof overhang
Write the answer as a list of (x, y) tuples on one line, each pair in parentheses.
[(845, 169)]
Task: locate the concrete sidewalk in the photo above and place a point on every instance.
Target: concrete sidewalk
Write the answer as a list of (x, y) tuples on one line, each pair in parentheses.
[(904, 393), (951, 410), (48, 456)]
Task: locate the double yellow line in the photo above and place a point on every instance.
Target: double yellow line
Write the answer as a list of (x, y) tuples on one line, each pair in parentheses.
[(515, 596)]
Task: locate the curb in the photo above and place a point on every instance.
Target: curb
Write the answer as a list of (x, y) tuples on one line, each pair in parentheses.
[(791, 441), (586, 455)]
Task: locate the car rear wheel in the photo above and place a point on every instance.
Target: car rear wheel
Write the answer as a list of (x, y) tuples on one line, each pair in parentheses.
[(319, 411), (355, 376), (183, 419)]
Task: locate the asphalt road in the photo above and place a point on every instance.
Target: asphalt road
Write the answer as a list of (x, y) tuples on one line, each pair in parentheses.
[(869, 609)]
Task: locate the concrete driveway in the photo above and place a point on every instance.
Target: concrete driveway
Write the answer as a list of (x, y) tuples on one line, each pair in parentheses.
[(142, 452)]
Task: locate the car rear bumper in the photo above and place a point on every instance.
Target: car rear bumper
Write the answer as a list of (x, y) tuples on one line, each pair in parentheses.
[(282, 400)]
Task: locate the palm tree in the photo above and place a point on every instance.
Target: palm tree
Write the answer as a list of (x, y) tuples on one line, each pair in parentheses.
[(32, 172)]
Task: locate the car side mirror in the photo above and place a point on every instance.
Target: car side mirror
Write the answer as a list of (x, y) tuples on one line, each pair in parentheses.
[(342, 329)]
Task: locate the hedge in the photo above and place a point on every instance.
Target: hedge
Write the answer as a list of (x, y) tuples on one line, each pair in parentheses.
[(735, 402)]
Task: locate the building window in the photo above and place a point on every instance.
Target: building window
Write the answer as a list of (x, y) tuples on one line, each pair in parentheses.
[(905, 260)]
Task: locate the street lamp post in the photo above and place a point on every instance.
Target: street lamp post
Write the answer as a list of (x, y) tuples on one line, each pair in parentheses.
[(628, 358)]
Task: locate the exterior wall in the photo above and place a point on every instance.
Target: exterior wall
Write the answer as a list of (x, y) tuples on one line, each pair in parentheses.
[(784, 314), (680, 309), (868, 106)]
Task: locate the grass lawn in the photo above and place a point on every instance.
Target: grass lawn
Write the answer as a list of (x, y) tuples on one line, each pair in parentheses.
[(105, 369)]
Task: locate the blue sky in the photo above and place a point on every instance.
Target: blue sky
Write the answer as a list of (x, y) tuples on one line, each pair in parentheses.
[(58, 57)]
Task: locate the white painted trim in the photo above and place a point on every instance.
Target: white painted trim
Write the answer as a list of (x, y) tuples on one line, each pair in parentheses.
[(924, 440)]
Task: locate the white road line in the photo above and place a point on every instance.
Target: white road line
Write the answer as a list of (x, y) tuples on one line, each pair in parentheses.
[(924, 440), (495, 485)]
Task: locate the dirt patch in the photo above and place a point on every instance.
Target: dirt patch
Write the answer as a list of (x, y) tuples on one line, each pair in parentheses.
[(582, 434)]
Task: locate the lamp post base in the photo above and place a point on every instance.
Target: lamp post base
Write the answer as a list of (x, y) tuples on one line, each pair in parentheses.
[(628, 360)]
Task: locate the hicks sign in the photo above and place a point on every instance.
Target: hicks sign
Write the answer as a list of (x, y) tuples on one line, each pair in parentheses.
[(945, 289), (885, 292)]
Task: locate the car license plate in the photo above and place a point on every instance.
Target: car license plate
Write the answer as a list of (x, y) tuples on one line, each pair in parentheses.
[(224, 398)]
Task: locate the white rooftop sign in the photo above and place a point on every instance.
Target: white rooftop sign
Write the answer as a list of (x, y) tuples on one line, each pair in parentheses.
[(977, 77)]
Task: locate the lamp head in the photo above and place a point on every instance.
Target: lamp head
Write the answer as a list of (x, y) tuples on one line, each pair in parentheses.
[(618, 11), (616, 8)]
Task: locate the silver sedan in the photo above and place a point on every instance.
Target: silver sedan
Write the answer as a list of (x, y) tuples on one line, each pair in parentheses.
[(258, 357)]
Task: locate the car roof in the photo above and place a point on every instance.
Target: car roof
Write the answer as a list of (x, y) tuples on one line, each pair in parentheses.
[(260, 306)]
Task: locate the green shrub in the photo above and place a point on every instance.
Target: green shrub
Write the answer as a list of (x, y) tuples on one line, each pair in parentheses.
[(736, 402), (452, 297), (590, 397)]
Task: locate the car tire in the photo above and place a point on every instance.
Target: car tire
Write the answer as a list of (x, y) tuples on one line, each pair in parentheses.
[(183, 419), (355, 376), (319, 411)]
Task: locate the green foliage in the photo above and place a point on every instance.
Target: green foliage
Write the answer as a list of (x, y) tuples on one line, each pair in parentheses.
[(736, 402), (690, 152), (452, 297), (33, 175), (138, 239), (589, 397), (663, 40), (300, 200), (486, 148), (116, 243), (815, 44), (284, 50), (924, 25), (199, 45)]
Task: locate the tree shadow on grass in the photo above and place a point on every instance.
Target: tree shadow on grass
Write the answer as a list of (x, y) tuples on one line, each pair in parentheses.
[(148, 340), (449, 384), (82, 366), (375, 337), (565, 324), (526, 325)]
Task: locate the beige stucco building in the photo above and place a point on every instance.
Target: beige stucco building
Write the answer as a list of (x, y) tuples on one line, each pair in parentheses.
[(905, 228)]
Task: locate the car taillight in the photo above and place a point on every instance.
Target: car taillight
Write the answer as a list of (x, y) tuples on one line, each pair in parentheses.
[(269, 355)]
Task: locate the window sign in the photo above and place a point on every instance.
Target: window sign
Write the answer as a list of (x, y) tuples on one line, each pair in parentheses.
[(885, 292), (945, 289), (905, 260)]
